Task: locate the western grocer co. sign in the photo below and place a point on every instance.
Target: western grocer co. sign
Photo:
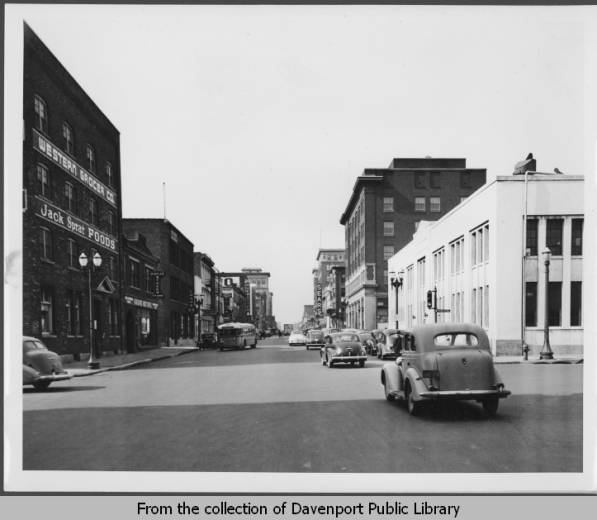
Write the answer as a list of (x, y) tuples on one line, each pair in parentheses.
[(65, 220), (57, 156)]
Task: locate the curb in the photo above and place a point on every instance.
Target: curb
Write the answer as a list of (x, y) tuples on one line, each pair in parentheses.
[(133, 363)]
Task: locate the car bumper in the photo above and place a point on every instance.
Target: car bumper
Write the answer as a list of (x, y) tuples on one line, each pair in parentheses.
[(463, 394), (318, 345), (347, 359)]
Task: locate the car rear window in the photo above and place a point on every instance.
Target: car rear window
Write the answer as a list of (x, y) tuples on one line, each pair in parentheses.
[(455, 340), (346, 337)]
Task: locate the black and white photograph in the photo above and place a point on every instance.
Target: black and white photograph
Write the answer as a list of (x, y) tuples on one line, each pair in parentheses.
[(299, 249)]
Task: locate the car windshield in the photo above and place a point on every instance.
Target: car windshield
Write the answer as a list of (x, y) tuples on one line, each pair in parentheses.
[(30, 345), (346, 337), (365, 337), (455, 340)]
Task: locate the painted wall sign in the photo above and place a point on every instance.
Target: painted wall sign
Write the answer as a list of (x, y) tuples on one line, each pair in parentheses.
[(61, 218), (57, 156)]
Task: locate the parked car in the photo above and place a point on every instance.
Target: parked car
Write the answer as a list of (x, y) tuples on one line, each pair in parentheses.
[(385, 341), (368, 342), (441, 362), (315, 339), (41, 366), (343, 347), (297, 338)]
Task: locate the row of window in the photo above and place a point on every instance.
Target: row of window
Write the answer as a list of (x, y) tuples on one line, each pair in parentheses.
[(68, 135), (74, 313), (48, 190), (424, 180), (554, 231), (48, 249), (140, 276), (554, 304)]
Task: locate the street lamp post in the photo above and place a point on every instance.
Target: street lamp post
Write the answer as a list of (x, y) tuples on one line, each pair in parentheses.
[(396, 281), (85, 264), (546, 352)]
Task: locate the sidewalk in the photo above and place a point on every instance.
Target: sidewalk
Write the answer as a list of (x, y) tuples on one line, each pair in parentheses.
[(128, 360), (534, 360)]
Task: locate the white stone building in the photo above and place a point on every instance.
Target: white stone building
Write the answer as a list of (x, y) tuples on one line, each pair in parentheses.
[(474, 258)]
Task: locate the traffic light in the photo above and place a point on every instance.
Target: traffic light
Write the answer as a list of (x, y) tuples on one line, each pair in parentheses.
[(430, 299)]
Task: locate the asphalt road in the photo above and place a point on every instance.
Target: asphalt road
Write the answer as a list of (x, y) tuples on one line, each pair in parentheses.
[(276, 409)]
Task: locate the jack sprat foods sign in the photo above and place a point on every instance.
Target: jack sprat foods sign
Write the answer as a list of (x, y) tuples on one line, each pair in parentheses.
[(48, 150), (67, 221)]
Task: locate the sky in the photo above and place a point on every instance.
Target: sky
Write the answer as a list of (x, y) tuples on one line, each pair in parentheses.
[(259, 119)]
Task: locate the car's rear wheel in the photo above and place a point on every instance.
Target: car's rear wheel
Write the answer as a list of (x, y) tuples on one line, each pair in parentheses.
[(491, 405), (413, 406), (362, 363), (41, 385)]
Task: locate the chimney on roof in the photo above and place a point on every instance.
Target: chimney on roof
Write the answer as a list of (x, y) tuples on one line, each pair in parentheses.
[(529, 164)]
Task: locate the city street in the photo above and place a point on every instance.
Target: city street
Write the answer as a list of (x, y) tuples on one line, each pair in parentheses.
[(277, 409)]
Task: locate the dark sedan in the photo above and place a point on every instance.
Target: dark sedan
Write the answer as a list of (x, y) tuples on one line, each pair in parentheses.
[(343, 347), (41, 366)]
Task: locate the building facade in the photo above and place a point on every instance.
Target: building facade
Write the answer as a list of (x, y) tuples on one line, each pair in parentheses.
[(381, 217), (141, 293), (206, 319), (72, 206), (323, 282), (176, 321), (474, 259)]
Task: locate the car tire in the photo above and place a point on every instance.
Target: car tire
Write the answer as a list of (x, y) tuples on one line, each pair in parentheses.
[(389, 397), (362, 363), (413, 406), (490, 406), (41, 385)]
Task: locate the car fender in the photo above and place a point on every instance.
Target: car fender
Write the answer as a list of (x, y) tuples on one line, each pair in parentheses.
[(416, 383), (30, 375), (391, 374)]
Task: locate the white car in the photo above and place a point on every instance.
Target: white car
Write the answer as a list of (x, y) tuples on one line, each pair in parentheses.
[(296, 338)]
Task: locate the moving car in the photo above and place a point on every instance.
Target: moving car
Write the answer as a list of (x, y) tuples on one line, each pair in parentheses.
[(441, 362), (368, 342), (343, 347), (385, 341), (41, 366), (297, 338), (315, 339)]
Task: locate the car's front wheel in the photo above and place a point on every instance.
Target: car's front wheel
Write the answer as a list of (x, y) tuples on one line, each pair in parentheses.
[(41, 385), (413, 406), (386, 391), (491, 405)]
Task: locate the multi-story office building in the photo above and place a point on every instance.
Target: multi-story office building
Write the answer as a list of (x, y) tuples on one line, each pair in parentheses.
[(176, 321), (72, 206), (322, 279), (141, 293), (474, 258), (334, 296), (381, 216)]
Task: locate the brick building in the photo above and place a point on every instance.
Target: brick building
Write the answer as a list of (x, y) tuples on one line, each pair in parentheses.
[(176, 325), (381, 216), (72, 197), (141, 299), (322, 281)]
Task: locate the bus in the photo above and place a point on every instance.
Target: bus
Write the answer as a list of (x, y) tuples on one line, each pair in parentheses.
[(237, 335)]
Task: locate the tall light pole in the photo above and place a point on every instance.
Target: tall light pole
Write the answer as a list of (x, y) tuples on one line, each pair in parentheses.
[(396, 281), (85, 264), (525, 347), (546, 352)]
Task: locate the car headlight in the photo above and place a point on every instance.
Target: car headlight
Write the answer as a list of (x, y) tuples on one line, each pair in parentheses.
[(338, 351)]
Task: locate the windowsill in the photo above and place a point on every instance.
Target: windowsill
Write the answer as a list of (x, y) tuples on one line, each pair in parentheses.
[(70, 336), (48, 335), (554, 327)]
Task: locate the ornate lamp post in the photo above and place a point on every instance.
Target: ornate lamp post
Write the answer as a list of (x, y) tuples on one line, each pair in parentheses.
[(396, 281), (95, 263), (546, 352)]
